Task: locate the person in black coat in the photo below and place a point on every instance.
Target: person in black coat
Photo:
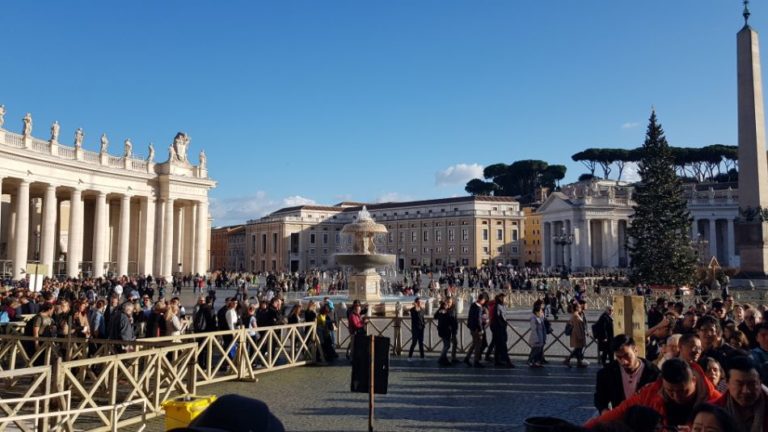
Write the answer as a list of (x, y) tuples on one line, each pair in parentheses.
[(417, 328), (624, 376), (602, 330)]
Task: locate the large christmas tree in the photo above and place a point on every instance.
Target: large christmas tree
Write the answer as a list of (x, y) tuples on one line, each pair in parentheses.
[(660, 244)]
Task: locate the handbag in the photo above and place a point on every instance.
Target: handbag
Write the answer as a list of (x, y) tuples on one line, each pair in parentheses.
[(568, 329)]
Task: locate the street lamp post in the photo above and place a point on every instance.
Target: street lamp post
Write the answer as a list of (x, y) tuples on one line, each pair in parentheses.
[(563, 239)]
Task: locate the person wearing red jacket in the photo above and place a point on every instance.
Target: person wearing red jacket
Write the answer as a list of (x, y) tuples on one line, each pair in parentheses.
[(674, 395), (746, 399)]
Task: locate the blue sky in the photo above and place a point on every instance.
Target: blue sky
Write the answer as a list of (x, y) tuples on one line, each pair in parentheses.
[(323, 101)]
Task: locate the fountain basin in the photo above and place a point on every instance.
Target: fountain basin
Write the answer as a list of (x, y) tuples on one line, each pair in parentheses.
[(364, 261)]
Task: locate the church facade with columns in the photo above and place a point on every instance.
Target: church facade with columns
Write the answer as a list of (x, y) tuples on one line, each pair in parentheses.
[(584, 226), (83, 213)]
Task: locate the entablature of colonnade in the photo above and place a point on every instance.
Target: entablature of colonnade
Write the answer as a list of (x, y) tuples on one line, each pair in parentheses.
[(23, 156)]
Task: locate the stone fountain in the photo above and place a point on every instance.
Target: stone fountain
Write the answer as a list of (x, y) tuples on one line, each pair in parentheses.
[(364, 282)]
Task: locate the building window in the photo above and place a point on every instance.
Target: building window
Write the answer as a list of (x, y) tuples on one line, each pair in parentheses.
[(402, 237), (499, 234), (312, 238), (274, 242), (414, 250), (451, 250), (451, 235), (438, 236), (426, 250), (325, 239), (464, 250), (413, 236), (485, 234), (253, 242), (514, 249), (274, 265), (514, 235), (311, 251), (464, 234), (464, 262), (325, 251), (499, 249), (439, 250), (263, 246), (425, 235), (485, 250), (391, 236)]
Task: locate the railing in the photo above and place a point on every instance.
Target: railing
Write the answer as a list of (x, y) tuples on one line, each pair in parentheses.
[(25, 384), (91, 156), (67, 152), (14, 140), (115, 162), (40, 146), (138, 165), (37, 416), (398, 330)]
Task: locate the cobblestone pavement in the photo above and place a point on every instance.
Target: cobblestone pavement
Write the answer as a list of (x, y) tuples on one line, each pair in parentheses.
[(422, 396)]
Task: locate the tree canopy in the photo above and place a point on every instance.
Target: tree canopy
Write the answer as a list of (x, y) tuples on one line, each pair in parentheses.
[(519, 179)]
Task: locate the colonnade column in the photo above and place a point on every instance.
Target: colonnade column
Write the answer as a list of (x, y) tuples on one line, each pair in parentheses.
[(99, 234), (122, 244), (21, 240), (713, 237), (48, 234), (730, 242), (147, 235), (201, 239), (75, 246), (167, 270)]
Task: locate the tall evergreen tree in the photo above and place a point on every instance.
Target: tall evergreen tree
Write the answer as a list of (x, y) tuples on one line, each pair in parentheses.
[(660, 244)]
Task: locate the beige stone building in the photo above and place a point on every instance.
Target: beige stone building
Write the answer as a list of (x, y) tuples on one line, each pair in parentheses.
[(85, 213), (532, 237), (464, 231)]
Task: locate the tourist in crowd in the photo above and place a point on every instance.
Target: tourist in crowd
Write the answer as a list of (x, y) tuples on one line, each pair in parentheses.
[(477, 321), (578, 336), (690, 348), (738, 340), (602, 331), (752, 317), (745, 399), (417, 328), (670, 349), (709, 418), (172, 321), (537, 338), (443, 319), (712, 342), (37, 327), (80, 326), (356, 325), (760, 353), (294, 316), (630, 370), (122, 327), (714, 371), (326, 326), (499, 330), (96, 320), (674, 396), (687, 324), (450, 307)]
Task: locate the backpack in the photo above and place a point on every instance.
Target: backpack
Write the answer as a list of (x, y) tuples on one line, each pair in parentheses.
[(4, 318), (598, 331), (199, 322), (568, 329)]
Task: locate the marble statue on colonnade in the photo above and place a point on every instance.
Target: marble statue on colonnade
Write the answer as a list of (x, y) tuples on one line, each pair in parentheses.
[(79, 138), (55, 131), (104, 143), (2, 115), (28, 125), (203, 160), (128, 148), (151, 157), (180, 145)]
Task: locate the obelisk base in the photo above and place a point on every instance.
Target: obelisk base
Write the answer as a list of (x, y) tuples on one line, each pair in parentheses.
[(752, 244)]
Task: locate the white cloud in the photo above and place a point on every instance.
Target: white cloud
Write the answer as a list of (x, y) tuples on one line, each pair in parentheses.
[(239, 210), (458, 174), (630, 125), (297, 200), (392, 197), (631, 172)]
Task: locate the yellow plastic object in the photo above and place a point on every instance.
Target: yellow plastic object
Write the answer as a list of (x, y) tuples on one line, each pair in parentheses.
[(180, 411)]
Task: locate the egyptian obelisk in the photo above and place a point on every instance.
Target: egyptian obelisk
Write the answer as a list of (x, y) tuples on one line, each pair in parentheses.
[(752, 223)]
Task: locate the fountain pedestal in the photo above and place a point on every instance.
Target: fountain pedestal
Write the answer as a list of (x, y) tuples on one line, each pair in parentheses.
[(364, 286)]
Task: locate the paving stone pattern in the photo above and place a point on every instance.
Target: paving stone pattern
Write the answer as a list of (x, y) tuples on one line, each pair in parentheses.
[(422, 396)]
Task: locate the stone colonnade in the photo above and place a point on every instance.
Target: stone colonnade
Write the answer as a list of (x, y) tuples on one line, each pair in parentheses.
[(87, 232), (584, 244)]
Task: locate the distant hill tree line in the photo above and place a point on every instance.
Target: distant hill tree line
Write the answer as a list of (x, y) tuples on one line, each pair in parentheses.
[(716, 162)]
